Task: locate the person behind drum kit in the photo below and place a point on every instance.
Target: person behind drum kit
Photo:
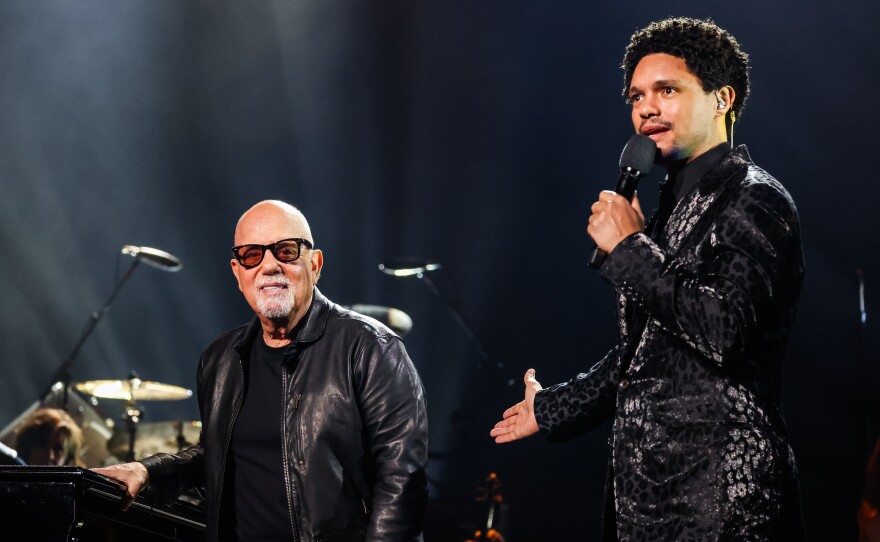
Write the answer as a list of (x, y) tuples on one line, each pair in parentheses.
[(313, 417), (706, 297), (49, 436)]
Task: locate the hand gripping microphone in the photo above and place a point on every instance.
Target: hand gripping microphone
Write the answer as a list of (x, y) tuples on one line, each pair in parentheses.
[(635, 161)]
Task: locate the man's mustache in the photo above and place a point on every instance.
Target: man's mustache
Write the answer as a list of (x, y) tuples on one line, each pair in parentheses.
[(664, 123), (274, 279)]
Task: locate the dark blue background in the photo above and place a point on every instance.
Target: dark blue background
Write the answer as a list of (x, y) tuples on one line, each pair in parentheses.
[(473, 133)]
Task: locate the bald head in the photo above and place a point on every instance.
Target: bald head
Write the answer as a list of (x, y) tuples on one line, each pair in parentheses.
[(272, 214), (279, 291)]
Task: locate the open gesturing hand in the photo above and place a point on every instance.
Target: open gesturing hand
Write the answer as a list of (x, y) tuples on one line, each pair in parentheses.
[(519, 420)]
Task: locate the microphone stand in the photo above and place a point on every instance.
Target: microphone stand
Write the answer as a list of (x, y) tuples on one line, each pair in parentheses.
[(421, 271), (866, 369), (460, 319), (865, 435), (62, 374)]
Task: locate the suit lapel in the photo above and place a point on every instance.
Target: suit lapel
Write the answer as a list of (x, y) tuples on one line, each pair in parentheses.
[(694, 205)]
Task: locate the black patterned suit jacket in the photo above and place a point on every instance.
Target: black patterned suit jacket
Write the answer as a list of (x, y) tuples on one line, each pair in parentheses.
[(705, 305)]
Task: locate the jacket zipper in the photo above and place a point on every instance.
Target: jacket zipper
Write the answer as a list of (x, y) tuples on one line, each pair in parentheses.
[(226, 446), (284, 442), (300, 455)]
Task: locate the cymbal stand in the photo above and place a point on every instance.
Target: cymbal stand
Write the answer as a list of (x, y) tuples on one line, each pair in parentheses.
[(132, 416)]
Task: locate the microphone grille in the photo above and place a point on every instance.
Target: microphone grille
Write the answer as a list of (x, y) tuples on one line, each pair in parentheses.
[(638, 154)]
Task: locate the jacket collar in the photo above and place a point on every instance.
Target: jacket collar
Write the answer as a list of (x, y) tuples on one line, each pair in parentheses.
[(309, 329), (694, 205)]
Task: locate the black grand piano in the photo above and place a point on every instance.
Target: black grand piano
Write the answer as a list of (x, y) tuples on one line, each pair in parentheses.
[(70, 504)]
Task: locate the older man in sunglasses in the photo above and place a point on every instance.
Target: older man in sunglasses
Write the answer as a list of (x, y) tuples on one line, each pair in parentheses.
[(313, 417)]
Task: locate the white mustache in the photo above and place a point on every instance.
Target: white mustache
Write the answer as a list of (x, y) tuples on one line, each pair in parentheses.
[(274, 279)]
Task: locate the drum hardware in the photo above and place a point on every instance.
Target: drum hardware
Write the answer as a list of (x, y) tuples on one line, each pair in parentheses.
[(157, 437), (396, 319), (132, 390)]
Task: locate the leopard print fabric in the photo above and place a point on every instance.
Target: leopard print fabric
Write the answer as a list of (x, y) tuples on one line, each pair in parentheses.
[(705, 306)]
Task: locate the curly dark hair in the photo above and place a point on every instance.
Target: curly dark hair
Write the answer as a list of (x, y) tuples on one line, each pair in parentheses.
[(709, 52)]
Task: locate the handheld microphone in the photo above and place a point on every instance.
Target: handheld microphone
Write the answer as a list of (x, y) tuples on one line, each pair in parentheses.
[(635, 161), (155, 257)]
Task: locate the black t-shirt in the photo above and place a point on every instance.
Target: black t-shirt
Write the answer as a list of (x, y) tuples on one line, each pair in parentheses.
[(261, 508)]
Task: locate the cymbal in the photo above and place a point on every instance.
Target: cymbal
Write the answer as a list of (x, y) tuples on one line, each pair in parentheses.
[(396, 319), (134, 389), (151, 438)]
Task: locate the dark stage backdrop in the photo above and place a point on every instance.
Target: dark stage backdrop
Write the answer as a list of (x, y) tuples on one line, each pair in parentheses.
[(473, 133)]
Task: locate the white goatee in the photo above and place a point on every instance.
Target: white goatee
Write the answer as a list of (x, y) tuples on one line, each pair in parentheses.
[(278, 303)]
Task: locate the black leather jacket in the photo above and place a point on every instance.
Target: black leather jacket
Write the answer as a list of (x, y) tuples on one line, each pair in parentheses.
[(355, 431)]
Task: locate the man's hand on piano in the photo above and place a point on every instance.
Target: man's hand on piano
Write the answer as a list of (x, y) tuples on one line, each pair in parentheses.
[(133, 475)]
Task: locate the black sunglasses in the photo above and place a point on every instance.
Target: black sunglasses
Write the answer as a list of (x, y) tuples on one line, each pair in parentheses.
[(285, 250)]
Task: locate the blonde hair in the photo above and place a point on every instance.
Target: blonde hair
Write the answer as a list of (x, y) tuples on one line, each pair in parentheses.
[(42, 428)]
